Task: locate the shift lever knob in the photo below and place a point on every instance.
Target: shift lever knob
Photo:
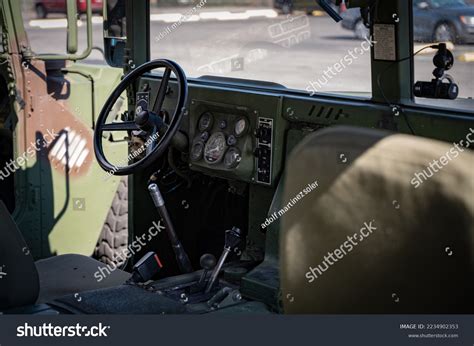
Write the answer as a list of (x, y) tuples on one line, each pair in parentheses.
[(232, 238), (207, 261)]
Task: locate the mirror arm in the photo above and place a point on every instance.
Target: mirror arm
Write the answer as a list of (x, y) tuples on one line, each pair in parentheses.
[(72, 57), (72, 29)]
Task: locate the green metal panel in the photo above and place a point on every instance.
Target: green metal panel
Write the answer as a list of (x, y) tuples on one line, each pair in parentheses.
[(58, 210), (64, 213)]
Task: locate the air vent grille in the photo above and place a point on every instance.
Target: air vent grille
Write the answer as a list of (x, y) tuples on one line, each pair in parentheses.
[(327, 113)]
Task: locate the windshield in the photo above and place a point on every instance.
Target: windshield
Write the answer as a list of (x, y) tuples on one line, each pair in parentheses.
[(290, 43)]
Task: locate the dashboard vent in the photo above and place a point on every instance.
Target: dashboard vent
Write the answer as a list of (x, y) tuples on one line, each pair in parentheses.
[(327, 113)]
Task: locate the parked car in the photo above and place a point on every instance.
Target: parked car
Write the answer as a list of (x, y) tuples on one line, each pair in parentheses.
[(308, 6), (434, 20), (44, 7)]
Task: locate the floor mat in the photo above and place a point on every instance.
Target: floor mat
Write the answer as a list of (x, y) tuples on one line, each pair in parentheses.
[(125, 299)]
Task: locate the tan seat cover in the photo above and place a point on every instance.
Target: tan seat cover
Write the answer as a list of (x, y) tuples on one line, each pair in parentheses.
[(420, 257)]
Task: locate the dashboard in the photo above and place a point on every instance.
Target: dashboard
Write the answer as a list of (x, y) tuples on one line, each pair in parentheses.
[(241, 133)]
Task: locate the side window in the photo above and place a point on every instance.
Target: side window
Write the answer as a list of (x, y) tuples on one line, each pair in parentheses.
[(450, 22), (289, 42)]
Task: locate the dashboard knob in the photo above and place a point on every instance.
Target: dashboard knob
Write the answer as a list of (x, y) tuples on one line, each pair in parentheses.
[(205, 136), (231, 140), (222, 124)]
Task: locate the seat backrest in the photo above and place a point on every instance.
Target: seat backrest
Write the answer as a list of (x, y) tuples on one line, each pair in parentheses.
[(384, 231), (19, 282)]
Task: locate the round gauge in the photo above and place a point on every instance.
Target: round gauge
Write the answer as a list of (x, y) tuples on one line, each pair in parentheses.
[(232, 157), (240, 127), (206, 121), (215, 148), (197, 150)]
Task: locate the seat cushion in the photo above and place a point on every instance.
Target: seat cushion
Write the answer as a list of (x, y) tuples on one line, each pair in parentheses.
[(19, 283), (412, 229), (69, 274)]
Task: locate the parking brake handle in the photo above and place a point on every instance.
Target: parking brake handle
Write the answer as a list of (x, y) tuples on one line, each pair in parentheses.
[(182, 258)]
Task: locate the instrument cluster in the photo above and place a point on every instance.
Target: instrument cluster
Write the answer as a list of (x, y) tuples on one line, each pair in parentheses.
[(217, 140), (222, 141)]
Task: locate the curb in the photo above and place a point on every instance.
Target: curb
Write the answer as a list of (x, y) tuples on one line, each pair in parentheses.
[(466, 57), (318, 13)]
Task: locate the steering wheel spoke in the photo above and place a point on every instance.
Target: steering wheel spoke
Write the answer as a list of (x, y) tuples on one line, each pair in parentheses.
[(122, 126), (160, 97)]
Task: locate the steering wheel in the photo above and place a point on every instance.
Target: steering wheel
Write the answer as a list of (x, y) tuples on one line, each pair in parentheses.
[(158, 132)]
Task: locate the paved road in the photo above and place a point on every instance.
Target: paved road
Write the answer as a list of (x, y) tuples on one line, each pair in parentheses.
[(289, 50)]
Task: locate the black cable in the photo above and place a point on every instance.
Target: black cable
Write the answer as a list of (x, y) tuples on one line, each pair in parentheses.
[(174, 166), (379, 77)]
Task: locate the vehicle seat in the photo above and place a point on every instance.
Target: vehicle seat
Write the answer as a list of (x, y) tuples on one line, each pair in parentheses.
[(419, 259), (27, 282)]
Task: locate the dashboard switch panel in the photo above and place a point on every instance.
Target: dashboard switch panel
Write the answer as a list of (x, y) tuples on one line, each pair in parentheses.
[(263, 151)]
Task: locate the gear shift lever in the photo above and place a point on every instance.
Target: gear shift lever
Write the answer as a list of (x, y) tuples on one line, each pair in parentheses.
[(181, 256), (207, 262), (232, 239)]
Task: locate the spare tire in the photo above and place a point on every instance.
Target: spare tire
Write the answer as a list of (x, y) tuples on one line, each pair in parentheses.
[(113, 239)]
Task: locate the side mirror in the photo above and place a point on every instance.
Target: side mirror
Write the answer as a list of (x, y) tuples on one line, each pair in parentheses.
[(423, 5), (71, 26), (115, 32)]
